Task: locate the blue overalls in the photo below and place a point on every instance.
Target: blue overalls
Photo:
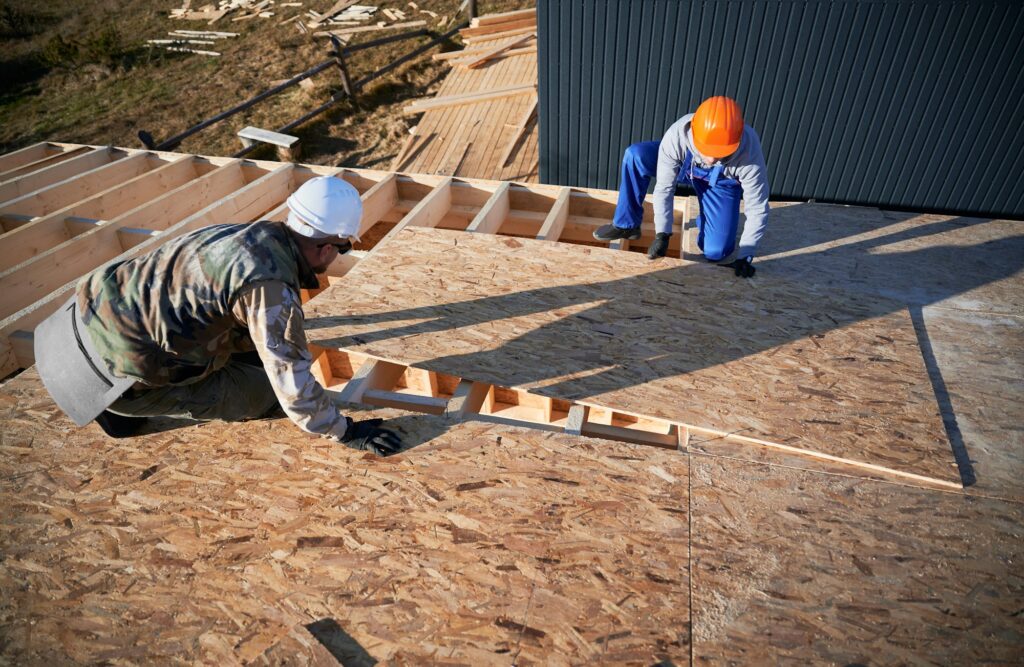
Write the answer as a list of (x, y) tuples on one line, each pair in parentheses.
[(718, 197)]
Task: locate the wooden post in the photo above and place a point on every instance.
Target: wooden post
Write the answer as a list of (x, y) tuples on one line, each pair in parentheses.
[(337, 51)]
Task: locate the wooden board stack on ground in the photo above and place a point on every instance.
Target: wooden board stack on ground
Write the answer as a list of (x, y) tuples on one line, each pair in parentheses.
[(495, 544), (482, 123)]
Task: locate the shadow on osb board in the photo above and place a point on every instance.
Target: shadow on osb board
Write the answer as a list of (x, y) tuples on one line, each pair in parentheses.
[(345, 649)]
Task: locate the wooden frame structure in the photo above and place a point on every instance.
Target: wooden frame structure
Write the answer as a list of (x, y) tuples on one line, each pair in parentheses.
[(67, 209)]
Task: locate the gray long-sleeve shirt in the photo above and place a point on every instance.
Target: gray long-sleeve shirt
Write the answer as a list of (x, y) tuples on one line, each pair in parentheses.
[(746, 165)]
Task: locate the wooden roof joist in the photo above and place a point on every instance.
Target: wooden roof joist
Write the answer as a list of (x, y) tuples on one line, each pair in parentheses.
[(121, 203)]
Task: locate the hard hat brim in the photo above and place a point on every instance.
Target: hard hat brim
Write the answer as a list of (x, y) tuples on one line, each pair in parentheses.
[(711, 150)]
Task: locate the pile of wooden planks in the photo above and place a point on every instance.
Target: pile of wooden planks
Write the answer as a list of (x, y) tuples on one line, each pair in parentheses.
[(482, 123)]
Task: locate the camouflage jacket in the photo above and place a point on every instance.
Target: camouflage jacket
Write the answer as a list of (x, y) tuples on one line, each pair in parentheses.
[(177, 314)]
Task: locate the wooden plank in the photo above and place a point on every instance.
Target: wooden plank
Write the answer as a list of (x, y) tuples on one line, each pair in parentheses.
[(555, 221), (375, 374), (517, 132), (472, 41), (251, 200), (180, 194), (493, 30), (26, 155), (505, 17), (427, 213), (430, 405), (253, 134), (67, 192), (370, 28), (465, 55), (467, 399), (36, 180), (493, 213), (468, 98), (577, 418), (378, 202), (837, 376), (479, 61), (31, 242), (45, 162)]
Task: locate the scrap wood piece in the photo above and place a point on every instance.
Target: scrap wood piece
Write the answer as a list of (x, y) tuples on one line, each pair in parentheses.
[(520, 128), (468, 98), (380, 26), (504, 17), (491, 30), (526, 50), (478, 61), (836, 377)]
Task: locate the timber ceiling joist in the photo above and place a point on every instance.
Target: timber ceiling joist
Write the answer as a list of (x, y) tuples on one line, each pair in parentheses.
[(68, 209)]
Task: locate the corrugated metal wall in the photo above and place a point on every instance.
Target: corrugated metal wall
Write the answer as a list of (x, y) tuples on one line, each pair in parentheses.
[(896, 103)]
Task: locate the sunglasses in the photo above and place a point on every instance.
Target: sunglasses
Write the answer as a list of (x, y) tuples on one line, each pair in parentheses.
[(342, 247)]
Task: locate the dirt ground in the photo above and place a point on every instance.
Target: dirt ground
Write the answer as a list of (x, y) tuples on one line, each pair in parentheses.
[(81, 72)]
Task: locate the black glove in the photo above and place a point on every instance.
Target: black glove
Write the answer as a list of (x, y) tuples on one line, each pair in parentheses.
[(659, 246), (368, 435), (744, 267)]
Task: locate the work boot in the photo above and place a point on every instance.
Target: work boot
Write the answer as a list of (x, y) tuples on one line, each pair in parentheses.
[(613, 233), (119, 426), (659, 246)]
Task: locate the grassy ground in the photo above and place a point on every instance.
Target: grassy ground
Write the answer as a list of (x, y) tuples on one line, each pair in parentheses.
[(79, 71)]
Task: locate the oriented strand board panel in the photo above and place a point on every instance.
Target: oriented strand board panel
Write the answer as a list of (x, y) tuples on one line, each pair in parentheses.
[(791, 567), (777, 361), (221, 543), (956, 262), (471, 140)]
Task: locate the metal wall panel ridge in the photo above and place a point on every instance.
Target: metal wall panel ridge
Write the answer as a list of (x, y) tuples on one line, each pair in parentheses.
[(915, 104)]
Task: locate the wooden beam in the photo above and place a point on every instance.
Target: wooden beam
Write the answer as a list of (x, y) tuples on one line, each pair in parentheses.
[(505, 17), (47, 161), (468, 98), (27, 155), (48, 232), (479, 61), (468, 398), (33, 279), (577, 418), (36, 180), (500, 27), (413, 402), (460, 58), (374, 374), (554, 223), (251, 201), (518, 132), (76, 188), (493, 213), (427, 213), (470, 41), (378, 201)]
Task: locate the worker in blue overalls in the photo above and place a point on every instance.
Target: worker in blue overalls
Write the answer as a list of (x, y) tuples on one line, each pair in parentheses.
[(713, 152)]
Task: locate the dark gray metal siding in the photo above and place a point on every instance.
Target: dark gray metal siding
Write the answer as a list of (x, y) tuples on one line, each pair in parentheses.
[(895, 103)]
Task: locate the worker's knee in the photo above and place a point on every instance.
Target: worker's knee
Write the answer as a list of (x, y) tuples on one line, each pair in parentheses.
[(643, 155)]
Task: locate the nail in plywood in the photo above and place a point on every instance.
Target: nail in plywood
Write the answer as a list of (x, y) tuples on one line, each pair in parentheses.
[(835, 376)]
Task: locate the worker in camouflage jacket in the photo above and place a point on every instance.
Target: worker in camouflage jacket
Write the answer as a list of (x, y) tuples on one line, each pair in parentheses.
[(208, 326)]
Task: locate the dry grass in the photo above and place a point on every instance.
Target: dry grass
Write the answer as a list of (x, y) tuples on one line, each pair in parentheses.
[(81, 72)]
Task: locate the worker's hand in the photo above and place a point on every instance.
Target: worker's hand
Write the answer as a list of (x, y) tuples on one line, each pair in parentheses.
[(744, 267), (367, 435), (659, 246)]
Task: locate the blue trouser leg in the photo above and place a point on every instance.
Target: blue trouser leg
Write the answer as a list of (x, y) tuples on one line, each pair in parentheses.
[(719, 214), (639, 164)]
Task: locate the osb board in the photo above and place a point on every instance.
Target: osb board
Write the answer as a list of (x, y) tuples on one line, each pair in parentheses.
[(957, 262), (219, 543), (840, 374), (790, 567), (479, 133), (979, 365)]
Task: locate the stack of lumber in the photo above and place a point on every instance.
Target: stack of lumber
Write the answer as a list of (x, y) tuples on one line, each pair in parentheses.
[(482, 123)]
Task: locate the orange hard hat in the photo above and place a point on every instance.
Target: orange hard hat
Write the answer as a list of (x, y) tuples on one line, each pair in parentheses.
[(717, 126)]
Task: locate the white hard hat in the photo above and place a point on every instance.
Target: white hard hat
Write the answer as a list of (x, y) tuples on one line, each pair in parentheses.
[(325, 206)]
